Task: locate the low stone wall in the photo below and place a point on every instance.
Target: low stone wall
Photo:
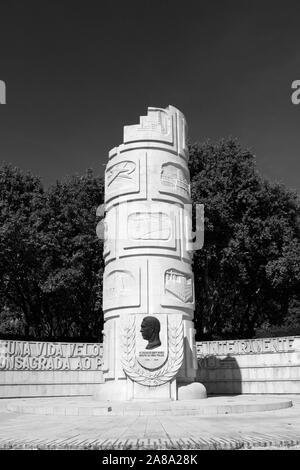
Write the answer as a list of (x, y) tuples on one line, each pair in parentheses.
[(266, 365), (256, 366), (29, 368)]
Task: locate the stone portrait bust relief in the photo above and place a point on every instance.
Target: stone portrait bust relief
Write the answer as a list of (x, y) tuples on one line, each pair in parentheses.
[(150, 329)]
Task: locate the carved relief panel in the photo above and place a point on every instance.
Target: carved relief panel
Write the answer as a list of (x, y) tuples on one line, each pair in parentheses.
[(174, 178), (121, 289), (179, 285), (125, 176), (149, 228), (171, 286), (125, 287), (168, 177)]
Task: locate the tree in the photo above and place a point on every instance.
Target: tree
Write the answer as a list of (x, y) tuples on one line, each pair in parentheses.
[(248, 271), (73, 258), (21, 195), (50, 256)]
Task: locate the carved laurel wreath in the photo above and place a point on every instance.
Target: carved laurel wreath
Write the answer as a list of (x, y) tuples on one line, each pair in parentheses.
[(165, 373)]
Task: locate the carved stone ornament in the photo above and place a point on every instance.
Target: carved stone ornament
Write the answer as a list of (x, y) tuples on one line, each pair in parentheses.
[(179, 285), (168, 371)]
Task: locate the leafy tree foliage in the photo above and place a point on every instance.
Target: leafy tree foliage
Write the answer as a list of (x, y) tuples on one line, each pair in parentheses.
[(248, 272), (50, 257)]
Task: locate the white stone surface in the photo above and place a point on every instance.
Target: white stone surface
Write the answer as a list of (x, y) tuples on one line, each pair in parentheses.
[(37, 368), (29, 369), (148, 258), (254, 366), (77, 430), (192, 391)]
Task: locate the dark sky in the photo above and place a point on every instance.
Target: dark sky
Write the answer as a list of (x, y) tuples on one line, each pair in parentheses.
[(76, 73)]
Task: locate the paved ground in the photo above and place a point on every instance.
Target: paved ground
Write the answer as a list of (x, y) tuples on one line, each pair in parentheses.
[(267, 430), (87, 406)]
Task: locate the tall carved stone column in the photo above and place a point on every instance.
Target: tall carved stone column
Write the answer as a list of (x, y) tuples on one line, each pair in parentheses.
[(148, 285)]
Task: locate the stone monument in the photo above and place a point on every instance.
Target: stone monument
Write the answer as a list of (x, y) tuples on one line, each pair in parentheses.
[(148, 286)]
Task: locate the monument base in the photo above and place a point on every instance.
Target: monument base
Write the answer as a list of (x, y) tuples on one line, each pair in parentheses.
[(128, 390), (85, 406), (191, 391), (112, 390)]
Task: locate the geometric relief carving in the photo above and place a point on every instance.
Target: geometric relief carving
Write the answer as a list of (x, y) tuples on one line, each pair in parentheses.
[(121, 174), (149, 226), (155, 121), (175, 177), (157, 125), (119, 283), (179, 284)]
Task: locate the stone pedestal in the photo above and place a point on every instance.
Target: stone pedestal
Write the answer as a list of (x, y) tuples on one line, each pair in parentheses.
[(148, 285)]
